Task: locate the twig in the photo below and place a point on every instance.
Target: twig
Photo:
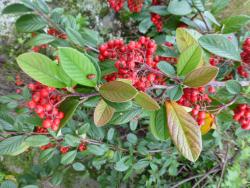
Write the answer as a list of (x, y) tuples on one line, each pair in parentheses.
[(221, 84), (213, 170), (224, 106), (224, 167)]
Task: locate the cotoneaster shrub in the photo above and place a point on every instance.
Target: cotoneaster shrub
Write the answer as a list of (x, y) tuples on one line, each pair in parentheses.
[(125, 103)]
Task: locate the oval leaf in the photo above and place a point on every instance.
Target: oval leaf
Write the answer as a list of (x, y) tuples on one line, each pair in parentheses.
[(189, 59), (235, 23), (201, 76), (117, 91), (158, 124), (68, 157), (146, 102), (103, 113), (179, 8), (221, 46), (78, 67), (10, 145), (41, 39), (16, 8), (41, 68), (186, 38), (233, 87), (29, 23), (37, 140), (184, 131)]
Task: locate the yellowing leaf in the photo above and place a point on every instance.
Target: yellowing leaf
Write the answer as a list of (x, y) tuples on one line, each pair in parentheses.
[(117, 91), (209, 124), (201, 76), (146, 102), (184, 131), (186, 38), (103, 113)]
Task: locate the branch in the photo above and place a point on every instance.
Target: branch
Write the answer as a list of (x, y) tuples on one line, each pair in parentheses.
[(221, 84)]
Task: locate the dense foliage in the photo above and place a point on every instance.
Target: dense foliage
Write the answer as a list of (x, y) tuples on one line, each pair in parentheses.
[(135, 110)]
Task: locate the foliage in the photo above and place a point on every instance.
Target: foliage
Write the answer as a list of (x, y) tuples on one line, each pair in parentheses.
[(114, 111)]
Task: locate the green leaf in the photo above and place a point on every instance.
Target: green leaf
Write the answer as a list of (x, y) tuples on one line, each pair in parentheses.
[(219, 6), (146, 101), (37, 140), (186, 38), (20, 149), (10, 145), (159, 9), (16, 8), (175, 93), (132, 138), (47, 155), (78, 167), (78, 67), (201, 76), (68, 157), (98, 150), (145, 25), (117, 91), (72, 140), (103, 113), (233, 87), (158, 124), (198, 5), (141, 164), (184, 131), (110, 134), (120, 106), (179, 7), (75, 37), (211, 17), (220, 45), (189, 60), (41, 39), (121, 166), (42, 6), (166, 68), (30, 23), (8, 184), (235, 23), (126, 116), (68, 107), (41, 68), (133, 125)]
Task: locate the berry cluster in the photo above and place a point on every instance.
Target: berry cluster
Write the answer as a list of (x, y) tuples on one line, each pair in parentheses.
[(40, 130), (50, 31), (245, 56), (242, 115), (44, 103), (197, 98), (171, 60), (64, 149), (156, 18), (47, 146), (134, 61), (56, 33), (133, 5), (116, 4), (215, 60)]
